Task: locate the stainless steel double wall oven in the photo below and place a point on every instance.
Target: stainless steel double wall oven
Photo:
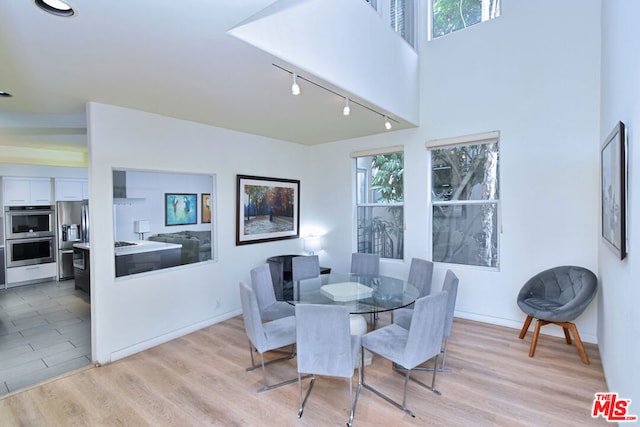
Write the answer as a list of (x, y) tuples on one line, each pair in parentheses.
[(30, 235)]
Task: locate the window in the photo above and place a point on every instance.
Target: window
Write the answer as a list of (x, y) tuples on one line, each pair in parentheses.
[(402, 19), (379, 203), (465, 200), (448, 16)]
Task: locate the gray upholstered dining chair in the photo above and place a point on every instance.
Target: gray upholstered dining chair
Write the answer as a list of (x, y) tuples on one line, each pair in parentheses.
[(420, 275), (450, 285), (557, 295), (365, 264), (262, 285), (411, 347), (326, 347), (265, 336), (305, 267)]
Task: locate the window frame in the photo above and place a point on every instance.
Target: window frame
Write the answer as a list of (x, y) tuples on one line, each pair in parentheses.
[(466, 140), (357, 204), (430, 25)]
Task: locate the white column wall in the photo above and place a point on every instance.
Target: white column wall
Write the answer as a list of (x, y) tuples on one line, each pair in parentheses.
[(619, 319), (137, 312)]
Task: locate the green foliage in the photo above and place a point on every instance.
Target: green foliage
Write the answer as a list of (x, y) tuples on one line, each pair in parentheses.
[(388, 170), (454, 15)]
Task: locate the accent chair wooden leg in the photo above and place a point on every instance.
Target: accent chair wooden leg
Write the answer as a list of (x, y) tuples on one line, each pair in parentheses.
[(567, 337), (536, 334), (525, 327), (576, 337)]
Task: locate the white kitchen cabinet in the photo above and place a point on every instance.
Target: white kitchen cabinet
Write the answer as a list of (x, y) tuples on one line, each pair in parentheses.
[(70, 189), (31, 273), (26, 191)]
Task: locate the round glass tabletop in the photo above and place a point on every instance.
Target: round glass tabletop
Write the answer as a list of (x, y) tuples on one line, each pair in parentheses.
[(362, 294)]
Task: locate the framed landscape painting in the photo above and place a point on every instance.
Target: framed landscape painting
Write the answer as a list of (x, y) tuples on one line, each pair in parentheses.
[(267, 209), (180, 208), (614, 193)]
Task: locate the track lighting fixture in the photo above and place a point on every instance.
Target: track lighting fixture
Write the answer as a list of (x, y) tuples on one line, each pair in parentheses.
[(295, 89)]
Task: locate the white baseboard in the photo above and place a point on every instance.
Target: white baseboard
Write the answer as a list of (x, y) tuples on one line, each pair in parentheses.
[(515, 324), (145, 345)]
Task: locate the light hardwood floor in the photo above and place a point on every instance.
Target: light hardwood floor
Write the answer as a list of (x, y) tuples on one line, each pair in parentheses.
[(200, 380)]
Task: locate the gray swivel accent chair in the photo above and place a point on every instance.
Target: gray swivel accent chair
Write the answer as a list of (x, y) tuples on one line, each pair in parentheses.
[(420, 275), (412, 347), (326, 347), (365, 264), (304, 267), (262, 285), (557, 295), (265, 336)]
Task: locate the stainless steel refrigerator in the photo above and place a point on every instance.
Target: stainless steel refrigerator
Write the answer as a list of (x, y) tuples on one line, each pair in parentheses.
[(72, 227)]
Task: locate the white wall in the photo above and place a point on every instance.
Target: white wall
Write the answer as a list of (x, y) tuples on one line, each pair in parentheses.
[(540, 89), (146, 192), (619, 320), (134, 313)]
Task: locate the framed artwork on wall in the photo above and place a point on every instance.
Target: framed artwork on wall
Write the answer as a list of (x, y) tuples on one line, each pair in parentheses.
[(180, 208), (267, 209), (613, 174), (206, 208)]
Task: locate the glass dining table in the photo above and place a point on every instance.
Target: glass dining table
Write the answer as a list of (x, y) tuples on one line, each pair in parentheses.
[(362, 294)]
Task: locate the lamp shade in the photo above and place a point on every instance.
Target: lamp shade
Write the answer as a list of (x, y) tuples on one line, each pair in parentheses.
[(141, 226), (312, 244)]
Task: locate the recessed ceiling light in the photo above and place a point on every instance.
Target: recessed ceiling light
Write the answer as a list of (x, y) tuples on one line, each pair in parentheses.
[(56, 7), (5, 94)]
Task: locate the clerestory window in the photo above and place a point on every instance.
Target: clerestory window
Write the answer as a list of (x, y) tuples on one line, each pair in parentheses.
[(448, 16)]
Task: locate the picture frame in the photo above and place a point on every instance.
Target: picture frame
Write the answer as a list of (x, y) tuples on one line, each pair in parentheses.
[(205, 203), (180, 209), (613, 173), (267, 209)]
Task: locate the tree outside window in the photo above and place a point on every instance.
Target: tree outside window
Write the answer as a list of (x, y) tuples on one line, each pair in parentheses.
[(453, 15), (464, 190), (379, 204)]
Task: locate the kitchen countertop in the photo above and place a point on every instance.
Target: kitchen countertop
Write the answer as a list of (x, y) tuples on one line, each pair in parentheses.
[(139, 247)]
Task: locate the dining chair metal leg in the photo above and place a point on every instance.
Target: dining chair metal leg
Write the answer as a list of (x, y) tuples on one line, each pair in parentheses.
[(289, 355), (262, 365), (385, 397), (435, 369), (354, 401), (306, 397)]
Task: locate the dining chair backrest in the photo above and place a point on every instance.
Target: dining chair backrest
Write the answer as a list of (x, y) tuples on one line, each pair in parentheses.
[(426, 330), (305, 267), (251, 317), (420, 275), (450, 285), (324, 342), (365, 264), (263, 285)]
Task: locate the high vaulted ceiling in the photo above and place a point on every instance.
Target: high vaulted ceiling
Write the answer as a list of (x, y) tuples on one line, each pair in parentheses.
[(177, 59)]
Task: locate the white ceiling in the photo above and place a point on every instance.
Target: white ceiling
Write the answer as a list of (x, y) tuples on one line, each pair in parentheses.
[(170, 58)]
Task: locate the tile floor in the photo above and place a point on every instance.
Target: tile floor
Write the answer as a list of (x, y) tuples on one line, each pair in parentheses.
[(45, 331)]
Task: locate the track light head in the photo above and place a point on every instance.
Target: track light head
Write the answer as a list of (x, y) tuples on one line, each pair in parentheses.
[(387, 123), (295, 89), (346, 111)]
